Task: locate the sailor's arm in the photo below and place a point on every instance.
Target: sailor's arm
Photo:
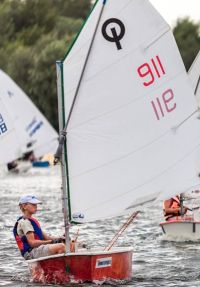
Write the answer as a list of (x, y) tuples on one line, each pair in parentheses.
[(53, 239), (174, 211), (47, 237), (168, 209), (36, 242)]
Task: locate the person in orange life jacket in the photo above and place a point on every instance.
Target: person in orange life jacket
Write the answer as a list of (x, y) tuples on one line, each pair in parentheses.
[(172, 208), (32, 241)]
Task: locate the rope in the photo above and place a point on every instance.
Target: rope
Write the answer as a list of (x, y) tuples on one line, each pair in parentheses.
[(121, 230)]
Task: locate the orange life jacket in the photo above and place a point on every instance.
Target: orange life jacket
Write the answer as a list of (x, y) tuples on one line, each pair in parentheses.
[(22, 241), (175, 204)]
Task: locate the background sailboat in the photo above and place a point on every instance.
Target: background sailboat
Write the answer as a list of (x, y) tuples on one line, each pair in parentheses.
[(194, 75), (27, 129), (187, 227), (9, 141), (127, 109)]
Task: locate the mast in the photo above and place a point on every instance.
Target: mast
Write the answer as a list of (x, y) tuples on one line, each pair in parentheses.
[(63, 163), (197, 86), (181, 204)]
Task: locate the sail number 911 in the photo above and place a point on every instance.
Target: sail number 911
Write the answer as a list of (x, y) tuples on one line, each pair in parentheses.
[(150, 72)]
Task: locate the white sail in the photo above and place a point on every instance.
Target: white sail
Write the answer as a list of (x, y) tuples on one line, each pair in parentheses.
[(33, 130), (9, 140), (124, 142), (194, 75)]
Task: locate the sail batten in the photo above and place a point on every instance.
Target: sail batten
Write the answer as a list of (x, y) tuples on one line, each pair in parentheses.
[(121, 142)]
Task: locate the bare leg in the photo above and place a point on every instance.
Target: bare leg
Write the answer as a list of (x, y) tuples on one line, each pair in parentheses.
[(56, 248)]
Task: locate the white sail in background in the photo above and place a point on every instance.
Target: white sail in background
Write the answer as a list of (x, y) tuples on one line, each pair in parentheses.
[(33, 130), (124, 142), (194, 75), (9, 140)]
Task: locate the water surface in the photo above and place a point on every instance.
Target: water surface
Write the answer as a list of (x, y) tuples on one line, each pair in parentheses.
[(155, 262)]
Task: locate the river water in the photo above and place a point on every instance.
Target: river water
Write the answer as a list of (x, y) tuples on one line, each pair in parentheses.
[(156, 262)]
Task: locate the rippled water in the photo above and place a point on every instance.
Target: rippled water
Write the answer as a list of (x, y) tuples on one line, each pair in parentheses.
[(155, 262)]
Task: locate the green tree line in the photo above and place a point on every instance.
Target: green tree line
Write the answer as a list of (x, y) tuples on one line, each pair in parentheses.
[(33, 35), (36, 33)]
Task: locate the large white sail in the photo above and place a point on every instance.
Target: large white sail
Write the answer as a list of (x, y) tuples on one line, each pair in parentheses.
[(129, 134), (33, 130), (194, 75)]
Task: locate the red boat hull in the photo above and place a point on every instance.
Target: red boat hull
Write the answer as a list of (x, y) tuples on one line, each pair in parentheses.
[(81, 267)]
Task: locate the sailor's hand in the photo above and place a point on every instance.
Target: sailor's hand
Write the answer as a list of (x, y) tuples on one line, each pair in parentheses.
[(54, 241), (82, 245), (62, 239), (185, 209), (58, 240), (55, 161)]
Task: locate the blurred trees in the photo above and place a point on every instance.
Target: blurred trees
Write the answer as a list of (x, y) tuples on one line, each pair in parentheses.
[(36, 33), (187, 34)]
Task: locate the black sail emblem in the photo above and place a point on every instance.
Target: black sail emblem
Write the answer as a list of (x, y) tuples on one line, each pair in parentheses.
[(114, 37)]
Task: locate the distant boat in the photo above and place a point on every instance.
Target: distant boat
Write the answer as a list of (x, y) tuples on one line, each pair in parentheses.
[(183, 227), (41, 163), (125, 112), (187, 227), (23, 128)]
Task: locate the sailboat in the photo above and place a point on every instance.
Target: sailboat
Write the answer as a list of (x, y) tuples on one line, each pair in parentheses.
[(23, 127), (187, 227), (126, 109)]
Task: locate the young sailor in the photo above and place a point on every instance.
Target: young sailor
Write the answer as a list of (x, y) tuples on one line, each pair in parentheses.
[(31, 240), (172, 208)]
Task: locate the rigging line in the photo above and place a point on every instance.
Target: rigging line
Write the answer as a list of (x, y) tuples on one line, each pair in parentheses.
[(64, 131), (197, 86), (150, 180), (121, 230), (84, 66)]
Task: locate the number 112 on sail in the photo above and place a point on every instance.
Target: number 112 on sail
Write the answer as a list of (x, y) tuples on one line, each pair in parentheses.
[(151, 72)]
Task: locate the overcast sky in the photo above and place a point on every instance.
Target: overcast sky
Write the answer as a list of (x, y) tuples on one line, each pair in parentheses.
[(173, 9)]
